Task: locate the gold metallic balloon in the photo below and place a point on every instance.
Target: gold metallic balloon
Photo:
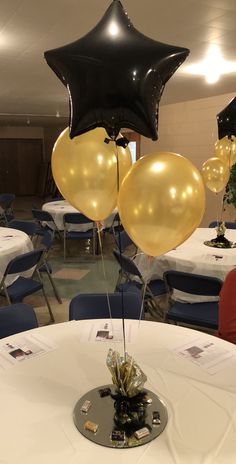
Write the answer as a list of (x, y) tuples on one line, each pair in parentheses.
[(225, 149), (161, 202), (85, 171), (215, 173)]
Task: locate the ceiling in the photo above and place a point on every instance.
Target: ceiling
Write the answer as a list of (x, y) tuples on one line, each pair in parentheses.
[(29, 88)]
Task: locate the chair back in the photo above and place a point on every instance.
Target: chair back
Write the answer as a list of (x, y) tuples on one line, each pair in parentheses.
[(228, 224), (95, 306), (127, 264), (6, 200), (76, 218), (41, 215), (25, 226), (47, 239), (24, 262), (122, 240), (192, 283), (16, 318)]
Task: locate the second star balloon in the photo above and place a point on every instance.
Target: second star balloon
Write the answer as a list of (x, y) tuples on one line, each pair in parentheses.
[(86, 172), (161, 202)]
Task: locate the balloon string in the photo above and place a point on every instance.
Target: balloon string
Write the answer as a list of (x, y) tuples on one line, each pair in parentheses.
[(220, 209), (104, 270), (119, 241), (149, 261)]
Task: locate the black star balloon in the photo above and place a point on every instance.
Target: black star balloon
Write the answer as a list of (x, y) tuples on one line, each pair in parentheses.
[(226, 120), (115, 76)]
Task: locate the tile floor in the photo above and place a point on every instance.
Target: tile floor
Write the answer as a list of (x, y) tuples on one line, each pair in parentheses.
[(80, 273)]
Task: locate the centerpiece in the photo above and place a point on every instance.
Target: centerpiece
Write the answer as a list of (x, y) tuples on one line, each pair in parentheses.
[(123, 414), (220, 241)]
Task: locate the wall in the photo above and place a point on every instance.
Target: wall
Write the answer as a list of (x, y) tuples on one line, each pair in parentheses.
[(21, 132), (50, 136), (190, 129)]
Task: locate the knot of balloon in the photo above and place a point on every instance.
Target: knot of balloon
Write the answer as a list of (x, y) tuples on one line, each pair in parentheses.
[(121, 142)]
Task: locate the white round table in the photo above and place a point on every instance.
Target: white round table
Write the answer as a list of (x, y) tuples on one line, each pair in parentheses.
[(58, 208), (192, 256), (38, 397), (12, 243)]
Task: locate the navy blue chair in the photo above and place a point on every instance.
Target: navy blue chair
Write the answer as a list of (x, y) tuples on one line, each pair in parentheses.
[(24, 286), (44, 221), (123, 241), (46, 268), (6, 203), (129, 271), (95, 306), (28, 227), (116, 225), (72, 219), (203, 314), (16, 318), (228, 224)]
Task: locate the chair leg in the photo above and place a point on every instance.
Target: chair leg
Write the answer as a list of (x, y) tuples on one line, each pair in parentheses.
[(54, 288), (7, 295), (64, 247), (150, 297), (48, 305)]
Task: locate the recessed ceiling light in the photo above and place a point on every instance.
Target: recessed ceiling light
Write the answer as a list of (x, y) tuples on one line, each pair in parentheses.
[(213, 66)]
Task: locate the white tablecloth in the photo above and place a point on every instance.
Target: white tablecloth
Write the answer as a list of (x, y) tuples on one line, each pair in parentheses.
[(192, 256), (58, 208), (12, 243), (38, 396)]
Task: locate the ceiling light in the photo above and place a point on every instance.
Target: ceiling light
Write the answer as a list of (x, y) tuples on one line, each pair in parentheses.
[(212, 66)]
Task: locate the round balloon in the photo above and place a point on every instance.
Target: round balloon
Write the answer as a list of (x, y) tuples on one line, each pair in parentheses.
[(161, 202), (225, 149), (215, 173), (86, 171)]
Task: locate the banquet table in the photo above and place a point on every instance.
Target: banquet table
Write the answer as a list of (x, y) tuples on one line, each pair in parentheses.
[(192, 256), (38, 396), (58, 208), (13, 242)]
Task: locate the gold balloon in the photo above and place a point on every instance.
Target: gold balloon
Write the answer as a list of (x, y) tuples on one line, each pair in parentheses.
[(225, 149), (86, 172), (161, 202), (215, 173)]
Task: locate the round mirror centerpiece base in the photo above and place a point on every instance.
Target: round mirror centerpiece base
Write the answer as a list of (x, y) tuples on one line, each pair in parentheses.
[(109, 419)]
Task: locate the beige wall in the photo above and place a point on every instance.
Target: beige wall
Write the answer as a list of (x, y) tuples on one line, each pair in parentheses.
[(190, 129)]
